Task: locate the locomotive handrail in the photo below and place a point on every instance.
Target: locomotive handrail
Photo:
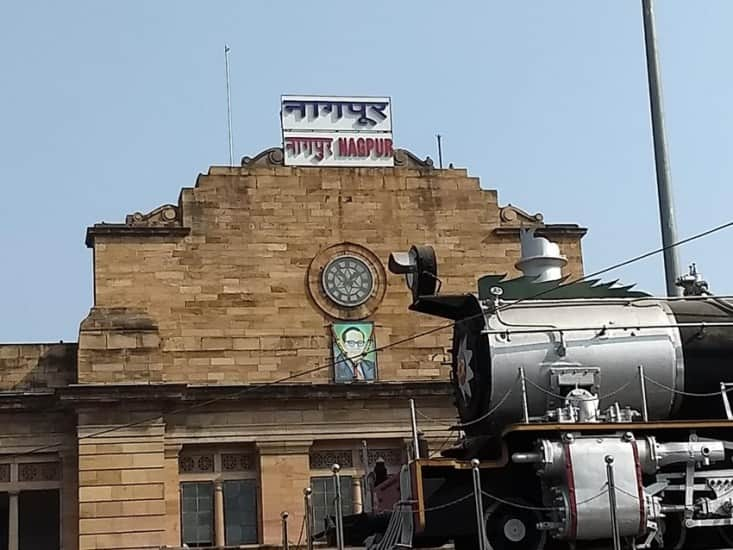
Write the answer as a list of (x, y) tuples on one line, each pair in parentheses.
[(490, 411), (690, 394), (605, 328), (682, 298), (598, 397)]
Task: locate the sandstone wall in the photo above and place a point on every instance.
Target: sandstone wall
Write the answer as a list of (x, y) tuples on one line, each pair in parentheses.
[(232, 290), (37, 366)]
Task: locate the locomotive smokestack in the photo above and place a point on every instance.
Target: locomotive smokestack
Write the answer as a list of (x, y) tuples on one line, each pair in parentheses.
[(541, 258)]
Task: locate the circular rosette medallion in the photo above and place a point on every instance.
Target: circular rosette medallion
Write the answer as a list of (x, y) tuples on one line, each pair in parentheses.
[(347, 281)]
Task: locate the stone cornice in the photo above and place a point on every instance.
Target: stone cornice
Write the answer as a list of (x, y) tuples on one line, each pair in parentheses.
[(84, 395), (19, 401), (121, 230), (284, 447), (549, 230)]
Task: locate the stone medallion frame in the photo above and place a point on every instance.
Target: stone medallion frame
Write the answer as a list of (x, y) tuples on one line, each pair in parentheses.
[(325, 303)]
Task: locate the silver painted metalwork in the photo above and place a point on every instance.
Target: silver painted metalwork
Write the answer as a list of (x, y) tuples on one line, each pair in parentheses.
[(308, 510), (284, 520), (583, 458), (478, 499), (368, 493), (339, 512), (682, 493), (525, 407), (615, 537), (654, 455), (584, 405), (693, 283), (724, 388), (611, 353), (415, 442), (642, 388), (526, 458)]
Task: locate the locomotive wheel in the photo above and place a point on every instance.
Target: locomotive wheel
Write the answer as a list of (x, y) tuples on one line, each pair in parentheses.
[(512, 528)]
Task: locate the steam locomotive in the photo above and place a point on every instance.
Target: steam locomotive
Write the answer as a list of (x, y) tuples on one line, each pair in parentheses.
[(599, 415)]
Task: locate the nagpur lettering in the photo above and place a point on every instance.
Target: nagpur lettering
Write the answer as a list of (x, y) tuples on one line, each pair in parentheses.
[(357, 108), (345, 147)]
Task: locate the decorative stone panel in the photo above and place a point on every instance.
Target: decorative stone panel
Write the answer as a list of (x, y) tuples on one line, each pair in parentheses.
[(196, 464), (39, 471), (237, 462), (323, 460), (390, 456)]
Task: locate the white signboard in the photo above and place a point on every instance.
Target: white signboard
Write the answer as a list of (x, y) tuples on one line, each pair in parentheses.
[(318, 113), (337, 131), (338, 149)]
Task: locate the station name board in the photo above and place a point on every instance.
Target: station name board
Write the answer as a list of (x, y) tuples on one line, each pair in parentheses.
[(337, 131)]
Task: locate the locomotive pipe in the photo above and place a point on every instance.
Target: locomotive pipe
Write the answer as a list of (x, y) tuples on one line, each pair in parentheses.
[(526, 458)]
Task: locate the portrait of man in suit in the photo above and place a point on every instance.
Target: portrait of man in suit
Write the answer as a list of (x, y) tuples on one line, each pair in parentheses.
[(353, 352)]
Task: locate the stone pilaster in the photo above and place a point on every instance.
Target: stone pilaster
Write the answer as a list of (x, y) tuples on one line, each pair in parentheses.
[(172, 495), (284, 473), (122, 500)]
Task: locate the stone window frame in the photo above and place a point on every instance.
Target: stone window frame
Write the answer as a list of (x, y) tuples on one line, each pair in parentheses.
[(14, 486), (14, 466), (217, 474), (355, 468)]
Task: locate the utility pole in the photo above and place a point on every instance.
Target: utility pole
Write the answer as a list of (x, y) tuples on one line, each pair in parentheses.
[(661, 159)]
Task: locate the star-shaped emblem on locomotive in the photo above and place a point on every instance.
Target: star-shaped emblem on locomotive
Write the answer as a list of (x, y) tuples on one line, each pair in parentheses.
[(464, 372)]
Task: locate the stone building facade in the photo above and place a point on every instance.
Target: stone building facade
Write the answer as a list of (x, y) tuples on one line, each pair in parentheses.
[(202, 395)]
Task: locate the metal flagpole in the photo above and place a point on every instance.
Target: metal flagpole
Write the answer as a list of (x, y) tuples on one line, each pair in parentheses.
[(440, 151), (661, 159), (229, 107)]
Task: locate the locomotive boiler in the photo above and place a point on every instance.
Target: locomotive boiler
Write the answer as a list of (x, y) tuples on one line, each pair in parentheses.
[(599, 414)]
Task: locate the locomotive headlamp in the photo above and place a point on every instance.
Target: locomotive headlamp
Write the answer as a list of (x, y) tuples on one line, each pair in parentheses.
[(420, 268)]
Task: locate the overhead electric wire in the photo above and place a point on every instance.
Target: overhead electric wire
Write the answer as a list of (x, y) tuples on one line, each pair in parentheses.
[(401, 341)]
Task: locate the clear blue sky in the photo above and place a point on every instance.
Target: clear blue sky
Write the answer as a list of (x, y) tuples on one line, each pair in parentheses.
[(107, 108)]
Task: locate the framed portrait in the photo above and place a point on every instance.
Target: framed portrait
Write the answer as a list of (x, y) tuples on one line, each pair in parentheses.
[(354, 355)]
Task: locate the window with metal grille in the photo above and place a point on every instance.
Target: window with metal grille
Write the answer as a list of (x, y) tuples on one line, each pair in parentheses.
[(324, 497), (197, 513), (240, 511)]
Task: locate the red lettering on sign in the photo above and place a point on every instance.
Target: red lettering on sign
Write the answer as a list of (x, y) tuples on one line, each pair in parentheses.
[(369, 146), (361, 147), (343, 147), (352, 147), (387, 147), (379, 146)]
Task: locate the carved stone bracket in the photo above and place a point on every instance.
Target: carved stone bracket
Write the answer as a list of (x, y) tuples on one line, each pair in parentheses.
[(163, 216), (274, 157), (269, 157), (406, 159), (512, 215)]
